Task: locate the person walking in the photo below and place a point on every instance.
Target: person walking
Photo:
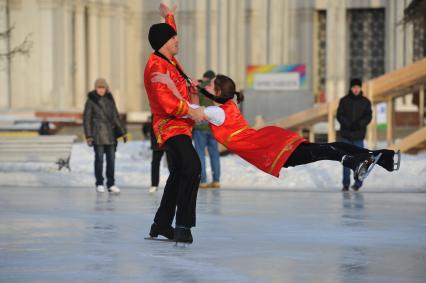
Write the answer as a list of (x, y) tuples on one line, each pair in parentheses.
[(203, 138), (354, 114), (173, 131), (102, 127)]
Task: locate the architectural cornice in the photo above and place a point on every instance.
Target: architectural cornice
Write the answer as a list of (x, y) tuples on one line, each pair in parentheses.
[(49, 4)]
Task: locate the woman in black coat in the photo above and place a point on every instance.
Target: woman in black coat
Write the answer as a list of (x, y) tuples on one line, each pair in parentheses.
[(102, 127)]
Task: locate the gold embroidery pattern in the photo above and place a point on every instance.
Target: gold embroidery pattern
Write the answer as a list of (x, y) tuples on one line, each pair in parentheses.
[(160, 129), (234, 134), (286, 148)]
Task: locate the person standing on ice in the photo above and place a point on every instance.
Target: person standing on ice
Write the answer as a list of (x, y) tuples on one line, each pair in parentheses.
[(354, 114), (101, 124), (157, 154), (203, 139), (173, 131), (272, 148)]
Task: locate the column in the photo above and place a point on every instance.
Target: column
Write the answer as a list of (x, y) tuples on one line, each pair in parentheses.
[(80, 76), (107, 44), (336, 41), (258, 26), (287, 34), (222, 39), (120, 90), (212, 42), (200, 60), (239, 71), (234, 47), (93, 38), (134, 67), (46, 74), (277, 29), (4, 61), (63, 57)]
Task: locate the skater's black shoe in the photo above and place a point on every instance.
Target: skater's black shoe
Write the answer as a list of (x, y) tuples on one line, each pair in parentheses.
[(355, 187), (156, 230), (345, 189), (354, 161), (183, 235), (387, 160)]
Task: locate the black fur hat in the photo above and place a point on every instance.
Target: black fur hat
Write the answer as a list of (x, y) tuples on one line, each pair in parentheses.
[(159, 34)]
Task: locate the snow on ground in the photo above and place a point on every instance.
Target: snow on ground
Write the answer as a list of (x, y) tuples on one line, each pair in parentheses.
[(133, 162)]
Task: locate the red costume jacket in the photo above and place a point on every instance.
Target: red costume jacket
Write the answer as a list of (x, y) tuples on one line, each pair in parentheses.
[(267, 148), (166, 108)]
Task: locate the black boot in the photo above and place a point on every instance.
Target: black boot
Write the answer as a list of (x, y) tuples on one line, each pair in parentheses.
[(387, 158), (156, 230), (183, 235)]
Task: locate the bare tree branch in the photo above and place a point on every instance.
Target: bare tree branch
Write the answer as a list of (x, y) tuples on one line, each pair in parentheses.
[(23, 49)]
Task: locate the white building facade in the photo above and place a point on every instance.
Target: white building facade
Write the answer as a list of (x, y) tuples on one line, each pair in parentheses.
[(77, 41)]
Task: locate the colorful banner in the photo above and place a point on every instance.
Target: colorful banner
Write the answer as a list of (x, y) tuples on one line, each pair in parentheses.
[(256, 76)]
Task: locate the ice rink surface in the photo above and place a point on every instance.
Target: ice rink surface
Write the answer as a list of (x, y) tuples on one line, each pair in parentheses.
[(63, 234)]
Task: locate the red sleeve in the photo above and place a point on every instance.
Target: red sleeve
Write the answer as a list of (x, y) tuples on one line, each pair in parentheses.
[(165, 98), (170, 19)]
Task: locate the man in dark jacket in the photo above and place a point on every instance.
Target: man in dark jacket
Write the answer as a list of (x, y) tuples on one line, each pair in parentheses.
[(102, 127), (354, 114)]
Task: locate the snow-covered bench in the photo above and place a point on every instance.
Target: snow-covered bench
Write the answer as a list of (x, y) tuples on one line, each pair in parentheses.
[(54, 148)]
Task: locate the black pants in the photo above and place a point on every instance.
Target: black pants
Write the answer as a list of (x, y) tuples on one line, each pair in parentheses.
[(109, 151), (180, 192), (155, 166), (310, 152)]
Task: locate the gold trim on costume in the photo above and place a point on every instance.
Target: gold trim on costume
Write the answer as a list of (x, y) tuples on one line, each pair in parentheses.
[(178, 112), (285, 148), (176, 127), (233, 134)]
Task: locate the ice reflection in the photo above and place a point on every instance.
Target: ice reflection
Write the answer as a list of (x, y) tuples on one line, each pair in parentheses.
[(354, 259), (105, 202), (353, 209)]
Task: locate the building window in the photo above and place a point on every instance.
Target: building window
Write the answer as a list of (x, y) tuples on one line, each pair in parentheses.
[(419, 38), (366, 40), (321, 42)]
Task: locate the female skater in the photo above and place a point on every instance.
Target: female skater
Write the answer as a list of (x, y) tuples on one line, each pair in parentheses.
[(271, 148)]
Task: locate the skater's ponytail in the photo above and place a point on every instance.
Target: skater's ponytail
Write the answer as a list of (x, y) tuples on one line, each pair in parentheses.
[(227, 89), (240, 96)]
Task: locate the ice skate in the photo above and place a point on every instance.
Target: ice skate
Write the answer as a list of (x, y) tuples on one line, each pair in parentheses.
[(156, 230), (364, 169), (183, 235), (390, 159)]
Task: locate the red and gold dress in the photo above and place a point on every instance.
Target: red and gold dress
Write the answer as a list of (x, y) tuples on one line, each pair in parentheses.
[(267, 148), (166, 108)]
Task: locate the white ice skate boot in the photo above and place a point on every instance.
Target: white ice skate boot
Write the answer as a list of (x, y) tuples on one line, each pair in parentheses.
[(153, 189), (100, 189), (114, 189)]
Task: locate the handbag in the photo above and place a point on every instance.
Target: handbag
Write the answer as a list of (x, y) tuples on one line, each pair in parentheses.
[(118, 132)]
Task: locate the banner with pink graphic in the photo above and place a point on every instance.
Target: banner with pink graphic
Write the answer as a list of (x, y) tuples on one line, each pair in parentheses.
[(276, 77)]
